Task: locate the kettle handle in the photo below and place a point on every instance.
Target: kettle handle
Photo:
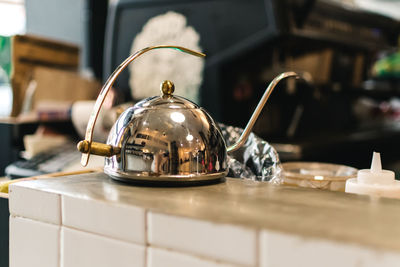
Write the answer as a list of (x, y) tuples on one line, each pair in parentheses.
[(242, 139), (110, 81)]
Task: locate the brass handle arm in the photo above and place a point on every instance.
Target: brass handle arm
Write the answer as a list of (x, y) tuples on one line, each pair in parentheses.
[(257, 111), (98, 148)]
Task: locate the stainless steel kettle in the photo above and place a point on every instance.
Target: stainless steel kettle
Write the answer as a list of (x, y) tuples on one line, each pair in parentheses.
[(164, 138)]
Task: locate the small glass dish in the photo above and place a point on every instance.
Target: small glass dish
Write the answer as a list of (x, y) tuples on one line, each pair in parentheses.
[(317, 175)]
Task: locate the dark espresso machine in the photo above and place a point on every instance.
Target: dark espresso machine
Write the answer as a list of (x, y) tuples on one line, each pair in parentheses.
[(334, 117)]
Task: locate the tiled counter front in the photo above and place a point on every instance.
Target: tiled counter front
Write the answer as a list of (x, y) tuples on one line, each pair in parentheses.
[(89, 220)]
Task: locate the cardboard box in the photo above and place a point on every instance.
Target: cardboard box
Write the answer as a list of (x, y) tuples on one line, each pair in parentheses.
[(56, 90), (28, 52)]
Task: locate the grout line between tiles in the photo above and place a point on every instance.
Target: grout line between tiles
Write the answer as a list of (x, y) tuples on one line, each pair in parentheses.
[(61, 239), (105, 236), (60, 247), (61, 212), (33, 219)]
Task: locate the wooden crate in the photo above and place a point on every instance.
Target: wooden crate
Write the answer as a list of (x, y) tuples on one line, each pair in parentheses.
[(29, 52)]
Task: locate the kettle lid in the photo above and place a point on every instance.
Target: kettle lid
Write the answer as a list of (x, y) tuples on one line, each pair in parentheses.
[(166, 100)]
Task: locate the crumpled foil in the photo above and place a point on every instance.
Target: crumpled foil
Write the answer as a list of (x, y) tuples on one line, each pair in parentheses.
[(256, 160)]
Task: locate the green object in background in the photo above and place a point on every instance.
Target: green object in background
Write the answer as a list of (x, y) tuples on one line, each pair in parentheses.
[(5, 56), (388, 67)]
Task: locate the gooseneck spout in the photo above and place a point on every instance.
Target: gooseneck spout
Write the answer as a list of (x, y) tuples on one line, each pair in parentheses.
[(257, 111)]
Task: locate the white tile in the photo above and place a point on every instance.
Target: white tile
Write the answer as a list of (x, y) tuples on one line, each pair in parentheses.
[(33, 243), (278, 249), (105, 218), (34, 204), (223, 242), (81, 249), (157, 257), (382, 259)]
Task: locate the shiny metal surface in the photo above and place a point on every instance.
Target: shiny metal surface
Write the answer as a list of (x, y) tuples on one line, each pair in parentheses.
[(166, 139), (109, 83)]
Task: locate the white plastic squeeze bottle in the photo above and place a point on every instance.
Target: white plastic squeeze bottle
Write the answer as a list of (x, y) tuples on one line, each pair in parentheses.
[(374, 181)]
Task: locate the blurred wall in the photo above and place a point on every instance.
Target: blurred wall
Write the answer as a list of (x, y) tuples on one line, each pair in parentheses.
[(64, 20)]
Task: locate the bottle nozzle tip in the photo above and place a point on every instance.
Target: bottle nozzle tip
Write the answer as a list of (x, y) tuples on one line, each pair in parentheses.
[(376, 165)]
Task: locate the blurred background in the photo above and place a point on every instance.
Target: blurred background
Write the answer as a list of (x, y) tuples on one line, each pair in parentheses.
[(56, 53)]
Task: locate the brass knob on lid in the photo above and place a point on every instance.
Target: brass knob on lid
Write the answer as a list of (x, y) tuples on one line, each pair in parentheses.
[(167, 88)]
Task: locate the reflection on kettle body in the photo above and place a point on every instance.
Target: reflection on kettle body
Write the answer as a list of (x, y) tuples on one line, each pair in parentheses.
[(160, 163), (174, 159)]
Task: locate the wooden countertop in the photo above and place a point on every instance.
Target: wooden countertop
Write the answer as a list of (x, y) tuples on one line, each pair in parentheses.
[(373, 222)]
